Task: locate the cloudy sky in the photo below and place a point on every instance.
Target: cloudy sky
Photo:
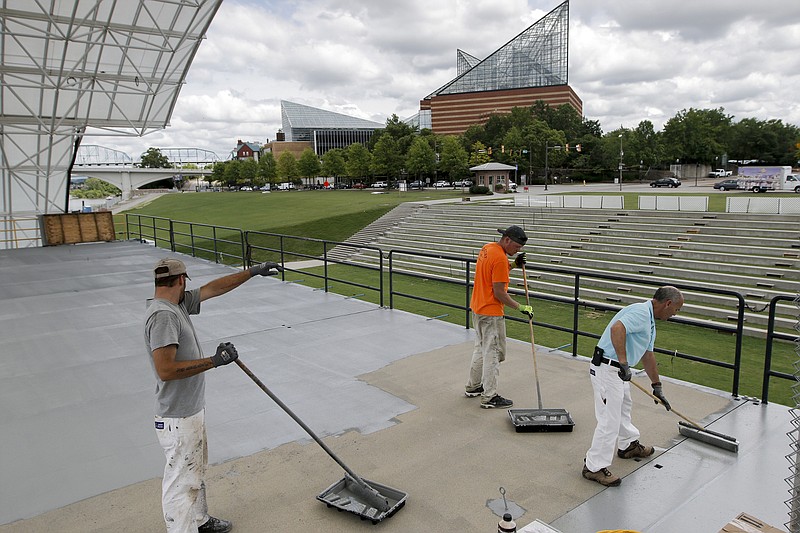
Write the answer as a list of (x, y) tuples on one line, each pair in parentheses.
[(629, 60)]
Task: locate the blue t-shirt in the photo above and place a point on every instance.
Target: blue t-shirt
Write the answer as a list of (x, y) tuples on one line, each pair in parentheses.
[(640, 327)]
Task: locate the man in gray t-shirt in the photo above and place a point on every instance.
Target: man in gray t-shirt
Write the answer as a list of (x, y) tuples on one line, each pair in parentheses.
[(178, 364)]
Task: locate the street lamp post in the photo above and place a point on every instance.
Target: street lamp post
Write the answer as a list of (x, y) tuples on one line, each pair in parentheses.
[(620, 162)]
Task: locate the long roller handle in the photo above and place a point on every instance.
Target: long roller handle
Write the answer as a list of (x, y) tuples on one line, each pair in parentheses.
[(297, 419), (533, 344), (653, 396)]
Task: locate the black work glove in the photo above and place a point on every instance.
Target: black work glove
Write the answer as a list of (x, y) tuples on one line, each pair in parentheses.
[(658, 392), (520, 260), (526, 310), (226, 354), (624, 372), (265, 269)]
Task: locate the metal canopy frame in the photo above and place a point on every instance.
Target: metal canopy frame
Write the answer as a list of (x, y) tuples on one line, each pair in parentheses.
[(68, 66)]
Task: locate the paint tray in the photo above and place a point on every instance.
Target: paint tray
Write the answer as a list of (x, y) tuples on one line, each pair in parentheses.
[(530, 420), (342, 498)]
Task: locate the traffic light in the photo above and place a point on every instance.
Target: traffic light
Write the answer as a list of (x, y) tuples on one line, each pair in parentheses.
[(577, 147), (566, 147), (489, 150), (503, 148)]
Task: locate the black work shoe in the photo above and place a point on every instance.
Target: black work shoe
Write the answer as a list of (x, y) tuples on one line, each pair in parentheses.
[(215, 525), (602, 476), (635, 450), (471, 393), (496, 402)]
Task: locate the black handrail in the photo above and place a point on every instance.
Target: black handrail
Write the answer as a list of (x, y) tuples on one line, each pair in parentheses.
[(771, 336), (142, 227)]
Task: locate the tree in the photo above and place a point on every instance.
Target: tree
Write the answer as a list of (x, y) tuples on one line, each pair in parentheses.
[(697, 135), (95, 188), (308, 165), (454, 161), (479, 155), (230, 176), (333, 163), (268, 168), (217, 173), (769, 141), (248, 172), (358, 160), (645, 147), (386, 158), (153, 158), (287, 167), (421, 158)]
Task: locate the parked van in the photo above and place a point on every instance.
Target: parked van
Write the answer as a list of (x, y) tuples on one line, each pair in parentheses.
[(286, 186)]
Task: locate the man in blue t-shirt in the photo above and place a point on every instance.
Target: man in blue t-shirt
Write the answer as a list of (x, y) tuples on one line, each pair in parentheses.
[(628, 339), (178, 363)]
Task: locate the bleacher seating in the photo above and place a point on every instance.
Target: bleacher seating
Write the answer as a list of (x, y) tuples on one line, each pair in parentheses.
[(756, 255)]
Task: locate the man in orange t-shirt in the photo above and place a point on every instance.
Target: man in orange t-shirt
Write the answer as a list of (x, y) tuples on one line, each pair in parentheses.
[(489, 296)]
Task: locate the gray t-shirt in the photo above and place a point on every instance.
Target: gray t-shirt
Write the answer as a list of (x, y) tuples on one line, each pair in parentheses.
[(167, 323)]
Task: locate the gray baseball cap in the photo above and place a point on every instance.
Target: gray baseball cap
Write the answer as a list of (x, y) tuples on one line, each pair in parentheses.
[(515, 233), (169, 267)]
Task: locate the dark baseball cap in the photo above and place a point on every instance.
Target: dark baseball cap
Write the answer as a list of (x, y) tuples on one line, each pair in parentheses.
[(515, 233), (169, 267)]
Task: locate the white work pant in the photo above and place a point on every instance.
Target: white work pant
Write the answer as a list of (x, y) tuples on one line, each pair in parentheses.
[(612, 408), (489, 352), (183, 489)]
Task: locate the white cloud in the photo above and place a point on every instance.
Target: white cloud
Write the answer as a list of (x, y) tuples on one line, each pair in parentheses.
[(629, 61)]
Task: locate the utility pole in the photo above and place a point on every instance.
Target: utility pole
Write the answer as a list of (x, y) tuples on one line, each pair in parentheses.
[(547, 149)]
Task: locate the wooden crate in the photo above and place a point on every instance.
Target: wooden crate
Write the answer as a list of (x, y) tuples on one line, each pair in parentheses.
[(73, 228)]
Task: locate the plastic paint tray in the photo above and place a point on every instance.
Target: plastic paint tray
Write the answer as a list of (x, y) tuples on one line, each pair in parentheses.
[(339, 496), (528, 420)]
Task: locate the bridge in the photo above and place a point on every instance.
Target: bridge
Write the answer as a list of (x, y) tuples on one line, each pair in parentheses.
[(119, 169)]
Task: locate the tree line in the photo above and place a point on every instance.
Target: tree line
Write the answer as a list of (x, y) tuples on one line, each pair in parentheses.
[(532, 139)]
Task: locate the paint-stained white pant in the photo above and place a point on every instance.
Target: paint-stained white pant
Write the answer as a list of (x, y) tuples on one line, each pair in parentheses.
[(612, 408), (489, 352), (183, 489)]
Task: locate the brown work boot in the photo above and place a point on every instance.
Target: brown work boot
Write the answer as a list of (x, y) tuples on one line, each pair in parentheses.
[(635, 450), (602, 476)]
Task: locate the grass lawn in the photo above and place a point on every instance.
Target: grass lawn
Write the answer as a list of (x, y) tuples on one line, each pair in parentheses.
[(336, 215), (332, 215)]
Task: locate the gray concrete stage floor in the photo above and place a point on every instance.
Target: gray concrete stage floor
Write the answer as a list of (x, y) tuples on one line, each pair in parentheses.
[(383, 387)]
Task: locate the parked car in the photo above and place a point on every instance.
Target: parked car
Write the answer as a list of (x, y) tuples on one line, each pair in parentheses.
[(666, 182), (462, 183), (359, 185), (720, 173), (727, 185), (416, 184), (380, 185), (441, 184)]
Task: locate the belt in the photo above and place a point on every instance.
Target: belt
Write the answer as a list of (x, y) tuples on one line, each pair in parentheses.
[(611, 362)]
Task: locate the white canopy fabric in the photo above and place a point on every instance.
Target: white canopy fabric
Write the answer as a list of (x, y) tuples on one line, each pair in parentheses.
[(69, 65)]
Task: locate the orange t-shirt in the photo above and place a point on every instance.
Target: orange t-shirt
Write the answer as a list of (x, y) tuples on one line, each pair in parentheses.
[(492, 267)]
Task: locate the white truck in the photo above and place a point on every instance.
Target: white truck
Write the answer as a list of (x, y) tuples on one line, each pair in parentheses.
[(763, 179), (720, 173)]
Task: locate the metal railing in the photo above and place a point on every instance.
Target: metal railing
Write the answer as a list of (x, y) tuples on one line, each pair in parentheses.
[(256, 253), (771, 336), (234, 246)]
